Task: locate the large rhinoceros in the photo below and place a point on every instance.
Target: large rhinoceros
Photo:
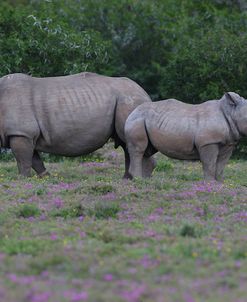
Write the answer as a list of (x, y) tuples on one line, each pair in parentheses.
[(68, 115), (208, 131)]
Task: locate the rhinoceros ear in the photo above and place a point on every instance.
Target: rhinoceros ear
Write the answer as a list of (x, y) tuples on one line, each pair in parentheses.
[(233, 98)]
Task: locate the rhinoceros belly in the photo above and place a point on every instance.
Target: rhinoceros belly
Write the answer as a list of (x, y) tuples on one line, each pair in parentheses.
[(83, 133), (78, 143), (174, 144)]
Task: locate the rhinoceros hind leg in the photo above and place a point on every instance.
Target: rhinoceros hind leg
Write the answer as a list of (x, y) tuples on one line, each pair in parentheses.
[(22, 148), (137, 142), (38, 165), (119, 142), (127, 175), (148, 165), (208, 157)]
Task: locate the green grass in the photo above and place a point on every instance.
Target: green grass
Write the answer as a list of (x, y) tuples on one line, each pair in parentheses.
[(85, 234), (28, 210), (104, 211), (68, 212)]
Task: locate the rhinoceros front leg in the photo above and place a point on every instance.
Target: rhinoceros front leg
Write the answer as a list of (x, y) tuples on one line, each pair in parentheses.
[(137, 142), (38, 165), (22, 148), (223, 158), (208, 157)]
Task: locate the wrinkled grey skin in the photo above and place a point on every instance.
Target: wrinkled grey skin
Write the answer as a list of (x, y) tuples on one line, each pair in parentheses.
[(208, 132), (69, 115)]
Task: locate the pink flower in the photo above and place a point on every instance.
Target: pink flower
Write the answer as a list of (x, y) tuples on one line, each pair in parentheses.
[(28, 186), (42, 217), (150, 233), (22, 280), (76, 297), (53, 236), (109, 196), (108, 277), (58, 202), (81, 218), (132, 270), (83, 234), (134, 295), (39, 297)]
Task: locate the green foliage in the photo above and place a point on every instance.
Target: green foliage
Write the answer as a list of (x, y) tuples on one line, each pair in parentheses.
[(241, 149), (69, 212), (52, 158), (206, 66), (164, 165), (191, 50), (101, 189), (5, 155), (99, 211), (28, 246), (36, 41), (28, 210), (188, 231), (3, 218), (104, 211)]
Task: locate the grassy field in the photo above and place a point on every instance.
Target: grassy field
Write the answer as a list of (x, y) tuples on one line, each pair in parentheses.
[(85, 234)]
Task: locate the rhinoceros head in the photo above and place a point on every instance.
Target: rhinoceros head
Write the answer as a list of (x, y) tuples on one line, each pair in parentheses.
[(236, 107)]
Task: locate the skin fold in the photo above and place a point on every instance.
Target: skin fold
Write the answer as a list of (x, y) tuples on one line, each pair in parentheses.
[(206, 132), (68, 115)]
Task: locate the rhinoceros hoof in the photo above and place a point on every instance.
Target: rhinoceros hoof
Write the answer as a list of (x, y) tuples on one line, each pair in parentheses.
[(43, 174)]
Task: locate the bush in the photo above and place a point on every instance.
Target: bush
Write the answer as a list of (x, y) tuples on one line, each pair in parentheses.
[(188, 231), (207, 66), (28, 210), (104, 211), (6, 155), (69, 212), (41, 44), (191, 50), (164, 165)]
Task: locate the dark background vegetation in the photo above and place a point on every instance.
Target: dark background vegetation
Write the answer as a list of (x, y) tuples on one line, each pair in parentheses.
[(188, 49)]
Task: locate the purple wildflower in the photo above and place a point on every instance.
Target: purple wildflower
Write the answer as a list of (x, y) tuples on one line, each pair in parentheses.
[(134, 294), (94, 164), (58, 202), (31, 219), (108, 277), (188, 298), (82, 234), (74, 296), (28, 186), (39, 297), (42, 217), (53, 236), (22, 280), (109, 196), (81, 218)]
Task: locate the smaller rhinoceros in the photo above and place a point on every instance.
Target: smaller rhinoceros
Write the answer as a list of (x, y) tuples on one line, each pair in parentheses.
[(208, 131)]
